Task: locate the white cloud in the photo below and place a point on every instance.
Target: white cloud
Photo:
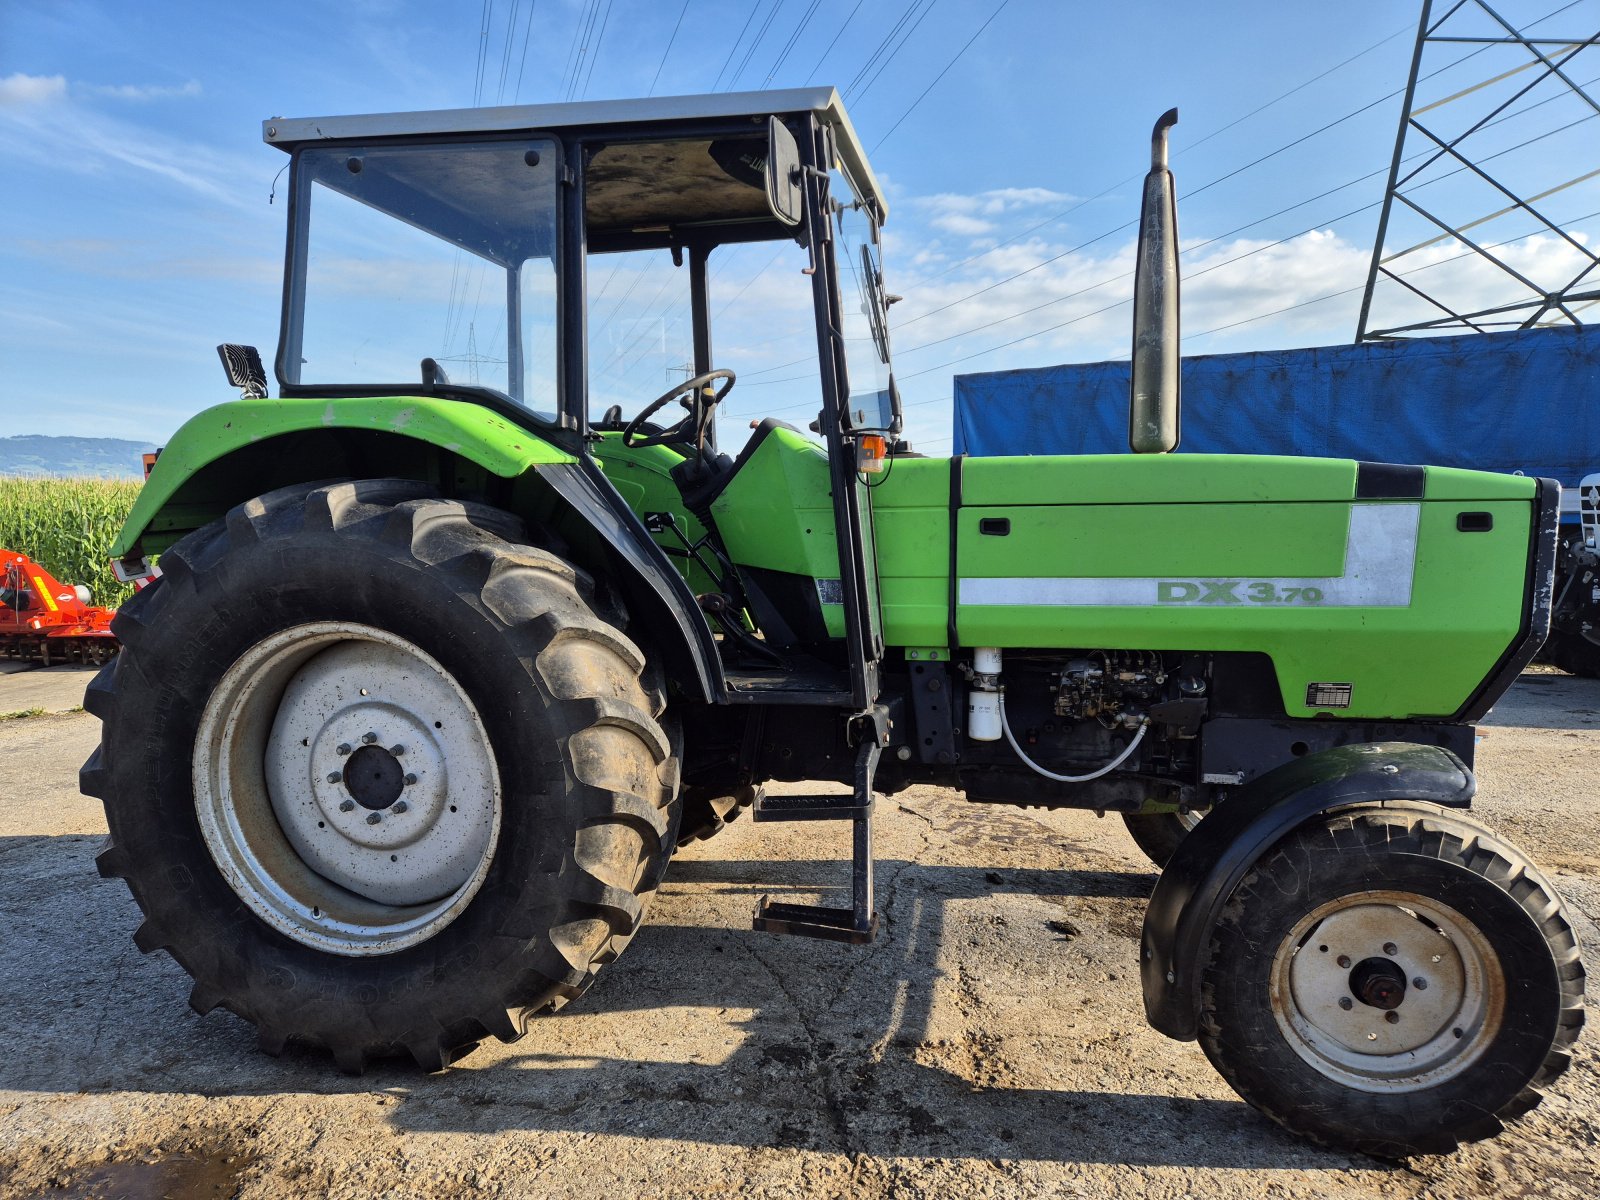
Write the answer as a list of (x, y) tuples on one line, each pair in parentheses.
[(140, 93), (43, 120), (967, 215), (962, 225), (20, 89)]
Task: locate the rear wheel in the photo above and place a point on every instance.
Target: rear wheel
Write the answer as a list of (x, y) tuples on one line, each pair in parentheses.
[(1574, 654), (381, 779), (1394, 981), (1158, 834)]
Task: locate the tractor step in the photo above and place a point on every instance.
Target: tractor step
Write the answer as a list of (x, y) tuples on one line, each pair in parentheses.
[(809, 808), (804, 683), (814, 920), (858, 923)]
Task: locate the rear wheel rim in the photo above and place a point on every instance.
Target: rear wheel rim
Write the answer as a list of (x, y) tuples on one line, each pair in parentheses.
[(346, 788), (1387, 991)]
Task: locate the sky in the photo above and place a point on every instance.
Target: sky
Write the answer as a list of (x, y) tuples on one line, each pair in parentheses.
[(139, 226)]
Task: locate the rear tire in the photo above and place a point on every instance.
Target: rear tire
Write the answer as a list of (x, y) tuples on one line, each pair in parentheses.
[(259, 866), (1393, 981), (1574, 654), (1158, 834)]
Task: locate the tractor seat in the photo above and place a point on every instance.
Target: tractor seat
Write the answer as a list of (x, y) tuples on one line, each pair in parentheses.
[(699, 494)]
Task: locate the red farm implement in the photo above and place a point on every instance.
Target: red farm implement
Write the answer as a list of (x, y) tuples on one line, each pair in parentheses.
[(43, 618)]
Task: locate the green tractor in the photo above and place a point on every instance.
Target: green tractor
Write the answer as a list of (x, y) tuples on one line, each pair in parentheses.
[(433, 676)]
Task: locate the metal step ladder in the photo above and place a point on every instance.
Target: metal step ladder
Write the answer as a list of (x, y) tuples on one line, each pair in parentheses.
[(857, 924)]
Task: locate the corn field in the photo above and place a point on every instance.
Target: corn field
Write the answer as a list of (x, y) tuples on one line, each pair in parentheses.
[(67, 526)]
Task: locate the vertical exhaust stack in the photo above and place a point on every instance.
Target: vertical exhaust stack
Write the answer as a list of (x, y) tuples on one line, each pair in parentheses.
[(1153, 408)]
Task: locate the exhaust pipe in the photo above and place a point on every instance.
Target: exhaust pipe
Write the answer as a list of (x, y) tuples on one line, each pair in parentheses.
[(1153, 408)]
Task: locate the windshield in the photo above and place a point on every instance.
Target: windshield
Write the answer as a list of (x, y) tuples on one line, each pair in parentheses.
[(426, 251)]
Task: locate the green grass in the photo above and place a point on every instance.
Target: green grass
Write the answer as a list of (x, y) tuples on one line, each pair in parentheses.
[(22, 713), (67, 526)]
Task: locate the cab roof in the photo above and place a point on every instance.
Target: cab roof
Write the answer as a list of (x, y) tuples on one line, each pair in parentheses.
[(290, 133)]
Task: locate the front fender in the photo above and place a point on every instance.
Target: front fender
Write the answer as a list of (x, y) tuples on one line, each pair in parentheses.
[(1210, 861)]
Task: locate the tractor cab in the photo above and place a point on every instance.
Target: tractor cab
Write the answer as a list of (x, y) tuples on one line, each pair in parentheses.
[(484, 255)]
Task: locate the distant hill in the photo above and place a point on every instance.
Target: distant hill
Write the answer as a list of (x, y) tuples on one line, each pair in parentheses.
[(31, 454)]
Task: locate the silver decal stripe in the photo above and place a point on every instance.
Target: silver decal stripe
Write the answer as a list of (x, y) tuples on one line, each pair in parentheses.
[(1380, 559)]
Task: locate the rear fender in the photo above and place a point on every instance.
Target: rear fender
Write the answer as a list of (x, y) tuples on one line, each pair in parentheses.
[(228, 454), (1222, 849)]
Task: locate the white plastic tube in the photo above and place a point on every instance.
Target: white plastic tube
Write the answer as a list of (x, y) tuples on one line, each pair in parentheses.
[(1105, 770)]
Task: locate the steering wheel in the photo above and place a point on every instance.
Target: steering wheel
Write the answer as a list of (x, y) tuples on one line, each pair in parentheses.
[(692, 429)]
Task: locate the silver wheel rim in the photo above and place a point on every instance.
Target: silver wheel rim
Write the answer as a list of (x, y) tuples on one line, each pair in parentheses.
[(1387, 991), (346, 788)]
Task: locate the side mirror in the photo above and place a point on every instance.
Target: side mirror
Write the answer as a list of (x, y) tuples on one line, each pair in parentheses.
[(784, 196)]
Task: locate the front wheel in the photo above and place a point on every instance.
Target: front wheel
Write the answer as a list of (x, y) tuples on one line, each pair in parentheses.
[(382, 779), (1392, 980)]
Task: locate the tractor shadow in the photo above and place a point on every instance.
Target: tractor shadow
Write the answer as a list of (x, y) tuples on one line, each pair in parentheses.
[(703, 1033), (1548, 699)]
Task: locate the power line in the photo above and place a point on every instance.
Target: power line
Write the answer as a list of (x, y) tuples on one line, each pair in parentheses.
[(817, 66), (594, 57), (1185, 149), (734, 49), (505, 51), (899, 46), (1207, 270), (882, 46), (751, 382), (941, 74), (483, 51), (755, 42), (794, 37), (668, 51), (527, 29)]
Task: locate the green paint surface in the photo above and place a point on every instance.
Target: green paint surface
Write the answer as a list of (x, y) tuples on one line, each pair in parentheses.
[(463, 428)]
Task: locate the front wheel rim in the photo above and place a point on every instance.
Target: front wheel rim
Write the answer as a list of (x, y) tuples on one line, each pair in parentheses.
[(1387, 991), (346, 788)]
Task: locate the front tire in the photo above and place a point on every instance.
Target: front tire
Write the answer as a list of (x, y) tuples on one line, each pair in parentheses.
[(1393, 981), (381, 779)]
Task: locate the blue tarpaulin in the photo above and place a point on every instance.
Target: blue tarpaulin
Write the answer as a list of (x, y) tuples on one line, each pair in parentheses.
[(1524, 401)]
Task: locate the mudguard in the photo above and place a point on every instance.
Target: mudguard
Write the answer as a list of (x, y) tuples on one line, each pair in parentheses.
[(1211, 861), (225, 455)]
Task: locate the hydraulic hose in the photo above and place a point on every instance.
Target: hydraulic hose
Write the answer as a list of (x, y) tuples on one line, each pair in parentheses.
[(1111, 766)]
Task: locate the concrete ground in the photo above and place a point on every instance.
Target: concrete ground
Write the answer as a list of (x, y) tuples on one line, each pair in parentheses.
[(991, 1043), (25, 686)]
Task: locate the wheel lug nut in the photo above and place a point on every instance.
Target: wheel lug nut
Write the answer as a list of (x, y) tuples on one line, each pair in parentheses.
[(1344, 960), (1390, 949), (1346, 1003), (373, 818), (397, 750), (1419, 983), (368, 738), (346, 805), (334, 777), (1392, 1017), (344, 748), (410, 779), (399, 806)]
